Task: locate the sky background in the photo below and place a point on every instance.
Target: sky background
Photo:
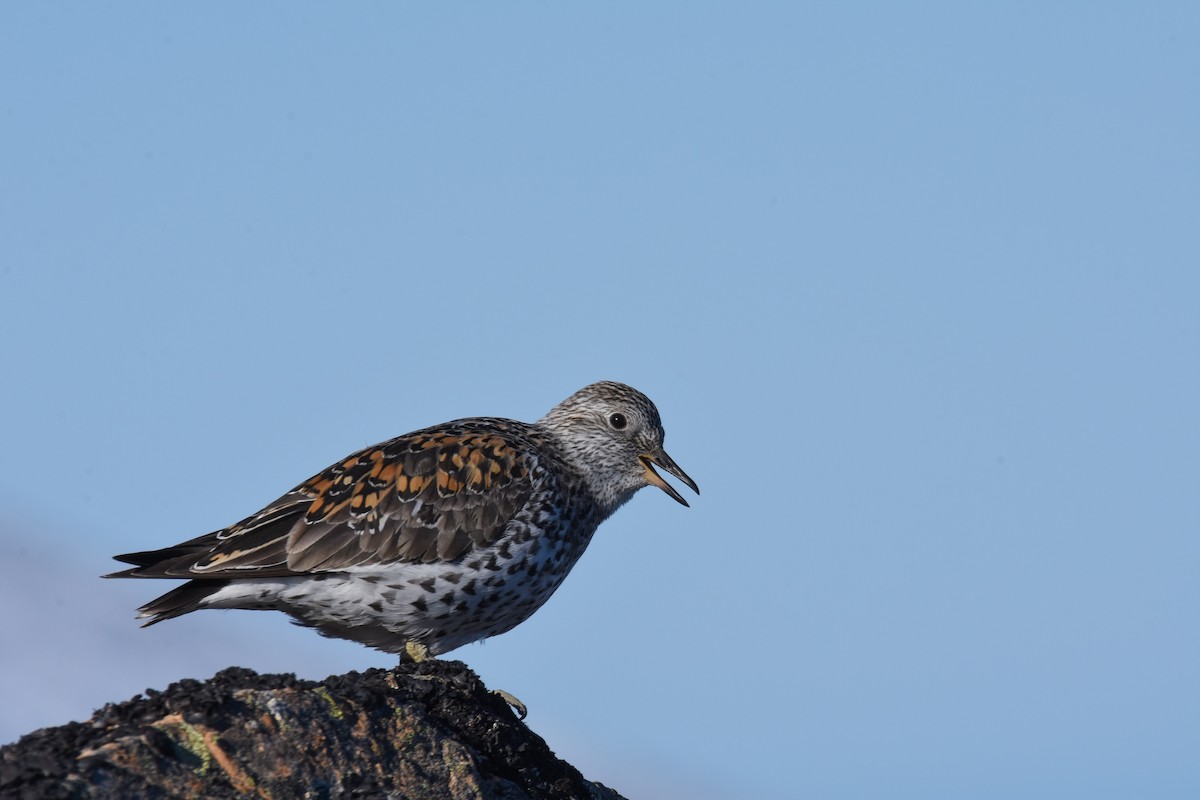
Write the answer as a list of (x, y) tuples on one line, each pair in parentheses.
[(916, 288)]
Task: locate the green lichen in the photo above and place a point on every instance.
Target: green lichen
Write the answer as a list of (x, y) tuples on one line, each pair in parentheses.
[(192, 741), (276, 708), (323, 693), (408, 725)]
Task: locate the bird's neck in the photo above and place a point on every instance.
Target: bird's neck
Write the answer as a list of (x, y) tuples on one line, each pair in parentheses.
[(581, 456)]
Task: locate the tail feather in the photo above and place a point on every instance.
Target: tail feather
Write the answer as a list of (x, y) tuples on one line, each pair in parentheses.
[(177, 602), (148, 558)]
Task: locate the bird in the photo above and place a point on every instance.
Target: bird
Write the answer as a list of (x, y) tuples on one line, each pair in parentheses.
[(432, 540)]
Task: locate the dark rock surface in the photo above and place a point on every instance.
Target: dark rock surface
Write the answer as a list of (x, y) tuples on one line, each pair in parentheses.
[(429, 730)]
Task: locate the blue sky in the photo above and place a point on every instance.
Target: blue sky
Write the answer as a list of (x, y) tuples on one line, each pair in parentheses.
[(915, 288)]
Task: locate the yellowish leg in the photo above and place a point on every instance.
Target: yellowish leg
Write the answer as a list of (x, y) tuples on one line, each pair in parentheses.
[(416, 651)]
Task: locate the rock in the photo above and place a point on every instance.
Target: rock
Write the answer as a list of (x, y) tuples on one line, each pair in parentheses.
[(429, 730)]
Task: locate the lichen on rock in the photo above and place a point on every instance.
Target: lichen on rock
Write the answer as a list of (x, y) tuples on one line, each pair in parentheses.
[(429, 730)]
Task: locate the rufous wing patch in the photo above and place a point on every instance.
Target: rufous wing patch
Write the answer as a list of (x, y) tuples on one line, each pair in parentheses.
[(426, 497)]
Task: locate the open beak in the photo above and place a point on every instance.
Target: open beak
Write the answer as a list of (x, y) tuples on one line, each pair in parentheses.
[(663, 460)]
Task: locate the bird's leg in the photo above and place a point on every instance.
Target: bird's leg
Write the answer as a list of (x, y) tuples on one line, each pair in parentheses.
[(415, 651)]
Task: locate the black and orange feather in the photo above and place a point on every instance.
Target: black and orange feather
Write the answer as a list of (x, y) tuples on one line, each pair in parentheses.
[(432, 495)]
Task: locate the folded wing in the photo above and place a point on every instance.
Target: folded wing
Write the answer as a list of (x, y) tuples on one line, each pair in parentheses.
[(430, 496)]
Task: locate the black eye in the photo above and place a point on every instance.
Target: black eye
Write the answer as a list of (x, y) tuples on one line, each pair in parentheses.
[(618, 421)]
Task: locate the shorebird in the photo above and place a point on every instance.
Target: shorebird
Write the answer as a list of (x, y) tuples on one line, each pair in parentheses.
[(437, 538)]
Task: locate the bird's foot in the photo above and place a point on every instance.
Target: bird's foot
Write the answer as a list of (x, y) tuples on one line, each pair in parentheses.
[(516, 704), (416, 652)]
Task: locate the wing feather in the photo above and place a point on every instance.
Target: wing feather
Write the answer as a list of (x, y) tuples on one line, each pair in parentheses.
[(433, 495)]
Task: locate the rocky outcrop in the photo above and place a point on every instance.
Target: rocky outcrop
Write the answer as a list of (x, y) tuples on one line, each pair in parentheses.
[(429, 730)]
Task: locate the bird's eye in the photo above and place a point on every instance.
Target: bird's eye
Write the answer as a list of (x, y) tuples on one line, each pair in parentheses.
[(618, 421)]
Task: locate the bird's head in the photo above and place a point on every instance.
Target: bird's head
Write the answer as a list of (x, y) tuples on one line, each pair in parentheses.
[(612, 435)]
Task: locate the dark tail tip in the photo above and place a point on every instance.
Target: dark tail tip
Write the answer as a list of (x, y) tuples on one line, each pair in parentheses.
[(177, 602)]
